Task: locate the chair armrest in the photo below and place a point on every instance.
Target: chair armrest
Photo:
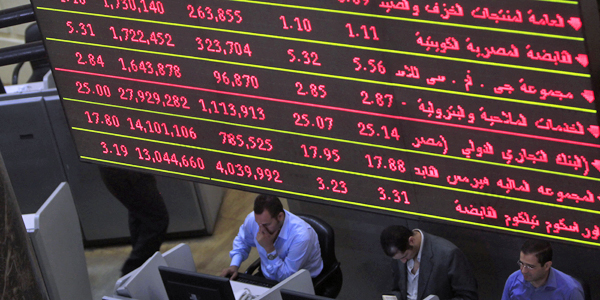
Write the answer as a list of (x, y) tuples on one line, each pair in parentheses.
[(253, 267), (324, 276)]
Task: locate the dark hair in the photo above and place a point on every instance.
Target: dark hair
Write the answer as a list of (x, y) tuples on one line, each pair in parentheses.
[(541, 249), (271, 203), (395, 236)]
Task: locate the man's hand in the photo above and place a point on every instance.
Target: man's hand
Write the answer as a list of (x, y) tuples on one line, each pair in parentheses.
[(266, 239), (231, 271)]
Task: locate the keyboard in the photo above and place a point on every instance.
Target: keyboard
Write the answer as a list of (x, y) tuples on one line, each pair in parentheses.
[(255, 280)]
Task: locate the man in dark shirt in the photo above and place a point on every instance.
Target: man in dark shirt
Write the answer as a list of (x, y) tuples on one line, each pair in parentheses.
[(425, 264)]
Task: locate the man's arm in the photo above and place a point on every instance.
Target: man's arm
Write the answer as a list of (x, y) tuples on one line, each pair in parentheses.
[(396, 281), (231, 272), (507, 288), (242, 244), (298, 253), (464, 285)]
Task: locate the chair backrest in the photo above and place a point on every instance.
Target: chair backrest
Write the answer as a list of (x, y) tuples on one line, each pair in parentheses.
[(326, 239), (329, 282)]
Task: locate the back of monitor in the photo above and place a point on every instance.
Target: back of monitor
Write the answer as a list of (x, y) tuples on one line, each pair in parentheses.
[(134, 284), (299, 281), (180, 257), (145, 282)]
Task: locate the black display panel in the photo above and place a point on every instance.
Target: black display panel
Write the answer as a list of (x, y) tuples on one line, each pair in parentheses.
[(480, 113)]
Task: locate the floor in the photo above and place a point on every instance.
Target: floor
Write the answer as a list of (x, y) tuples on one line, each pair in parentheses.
[(211, 253)]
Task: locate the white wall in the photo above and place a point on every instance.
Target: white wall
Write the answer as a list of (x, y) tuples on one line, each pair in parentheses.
[(12, 36)]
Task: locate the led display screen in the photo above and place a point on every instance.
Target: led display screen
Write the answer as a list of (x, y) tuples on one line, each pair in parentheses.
[(480, 113)]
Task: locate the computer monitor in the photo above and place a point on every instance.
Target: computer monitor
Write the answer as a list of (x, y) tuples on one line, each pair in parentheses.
[(182, 284), (293, 295)]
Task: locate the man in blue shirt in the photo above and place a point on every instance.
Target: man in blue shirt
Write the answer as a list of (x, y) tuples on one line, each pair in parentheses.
[(285, 243), (537, 279)]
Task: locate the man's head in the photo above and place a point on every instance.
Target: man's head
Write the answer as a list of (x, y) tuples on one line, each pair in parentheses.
[(398, 242), (268, 212), (535, 261)]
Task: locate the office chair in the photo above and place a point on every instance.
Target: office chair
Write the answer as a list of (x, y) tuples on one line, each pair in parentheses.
[(329, 282), (39, 66)]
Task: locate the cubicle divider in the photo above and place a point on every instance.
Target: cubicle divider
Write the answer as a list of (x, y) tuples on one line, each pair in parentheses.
[(40, 153), (56, 237)]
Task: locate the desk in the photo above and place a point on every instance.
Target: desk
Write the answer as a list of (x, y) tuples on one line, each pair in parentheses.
[(184, 284), (299, 281), (238, 289)]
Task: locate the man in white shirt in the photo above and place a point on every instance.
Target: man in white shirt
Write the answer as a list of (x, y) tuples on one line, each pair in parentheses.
[(285, 243), (425, 264)]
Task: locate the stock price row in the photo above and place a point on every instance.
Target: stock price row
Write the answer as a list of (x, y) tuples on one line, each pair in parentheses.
[(526, 81), (336, 186), (517, 17)]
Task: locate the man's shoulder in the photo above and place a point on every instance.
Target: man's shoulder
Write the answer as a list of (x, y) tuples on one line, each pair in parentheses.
[(514, 283), (299, 228), (566, 282), (250, 221), (297, 224), (515, 277), (443, 252), (560, 275), (439, 243), (250, 217)]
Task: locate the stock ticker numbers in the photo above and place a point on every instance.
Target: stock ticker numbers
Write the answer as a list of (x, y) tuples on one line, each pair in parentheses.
[(480, 113)]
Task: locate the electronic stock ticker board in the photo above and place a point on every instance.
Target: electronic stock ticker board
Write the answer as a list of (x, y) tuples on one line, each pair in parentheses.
[(479, 113)]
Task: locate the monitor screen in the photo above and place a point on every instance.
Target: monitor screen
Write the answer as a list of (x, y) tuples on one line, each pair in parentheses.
[(182, 284), (479, 113), (293, 295)]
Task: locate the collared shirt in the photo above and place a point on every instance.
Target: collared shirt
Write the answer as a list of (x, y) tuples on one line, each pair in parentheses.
[(297, 247), (559, 286), (412, 286)]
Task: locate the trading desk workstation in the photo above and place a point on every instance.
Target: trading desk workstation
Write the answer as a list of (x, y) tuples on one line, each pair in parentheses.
[(173, 275), (478, 114), (186, 285)]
